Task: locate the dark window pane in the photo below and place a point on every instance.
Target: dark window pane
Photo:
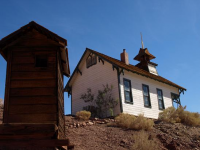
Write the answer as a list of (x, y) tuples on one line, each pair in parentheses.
[(126, 86), (94, 59), (145, 90), (128, 96), (127, 90), (41, 61), (160, 102), (89, 61), (146, 101), (159, 93)]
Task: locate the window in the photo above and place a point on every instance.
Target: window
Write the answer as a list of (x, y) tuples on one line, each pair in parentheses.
[(91, 60), (160, 99), (127, 91), (41, 61), (146, 95)]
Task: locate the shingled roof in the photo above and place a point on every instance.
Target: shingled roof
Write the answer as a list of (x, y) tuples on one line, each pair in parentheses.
[(143, 52), (31, 25), (130, 68)]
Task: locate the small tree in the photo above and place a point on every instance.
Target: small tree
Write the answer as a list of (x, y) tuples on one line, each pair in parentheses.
[(103, 103)]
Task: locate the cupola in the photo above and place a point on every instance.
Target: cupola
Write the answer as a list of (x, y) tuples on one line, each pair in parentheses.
[(144, 57)]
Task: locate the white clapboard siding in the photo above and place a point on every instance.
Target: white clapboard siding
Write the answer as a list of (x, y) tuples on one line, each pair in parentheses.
[(138, 103), (93, 77)]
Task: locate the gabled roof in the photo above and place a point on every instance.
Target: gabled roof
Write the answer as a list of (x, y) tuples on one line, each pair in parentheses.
[(129, 67), (143, 52), (23, 30), (33, 25)]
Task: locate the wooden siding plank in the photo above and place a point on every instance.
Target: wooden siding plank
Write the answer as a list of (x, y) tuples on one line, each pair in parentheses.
[(33, 75), (33, 92), (33, 100), (27, 53), (34, 143), (33, 118), (27, 60), (32, 109), (31, 67), (7, 88), (33, 83), (24, 131)]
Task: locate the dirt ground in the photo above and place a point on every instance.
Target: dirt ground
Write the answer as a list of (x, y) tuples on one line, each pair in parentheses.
[(98, 136)]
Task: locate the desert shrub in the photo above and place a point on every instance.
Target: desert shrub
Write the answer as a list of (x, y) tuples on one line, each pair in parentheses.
[(83, 115), (142, 123), (103, 103), (91, 109), (125, 120), (180, 115), (142, 142), (131, 122)]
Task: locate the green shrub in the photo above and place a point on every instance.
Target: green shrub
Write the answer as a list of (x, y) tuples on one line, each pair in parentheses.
[(83, 115), (180, 115), (131, 122), (142, 142)]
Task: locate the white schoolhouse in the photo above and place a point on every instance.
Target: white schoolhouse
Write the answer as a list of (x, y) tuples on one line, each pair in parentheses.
[(139, 88)]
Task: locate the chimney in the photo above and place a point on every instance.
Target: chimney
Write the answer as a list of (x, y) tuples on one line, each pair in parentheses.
[(124, 57)]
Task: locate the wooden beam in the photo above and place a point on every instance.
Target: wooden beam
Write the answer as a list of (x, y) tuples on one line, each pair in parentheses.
[(78, 71), (114, 67), (122, 71), (34, 143), (100, 59)]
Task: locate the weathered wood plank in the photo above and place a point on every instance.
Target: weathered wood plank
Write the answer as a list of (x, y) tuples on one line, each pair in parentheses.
[(33, 92), (24, 131), (31, 53), (28, 60), (35, 143), (32, 109), (7, 88), (33, 118), (33, 100), (33, 83), (31, 67), (33, 75)]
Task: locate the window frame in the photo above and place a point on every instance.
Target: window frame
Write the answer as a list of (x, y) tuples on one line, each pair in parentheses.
[(145, 96), (91, 63), (157, 89), (36, 57), (131, 96)]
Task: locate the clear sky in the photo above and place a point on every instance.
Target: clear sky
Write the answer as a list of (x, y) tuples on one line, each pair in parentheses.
[(171, 32)]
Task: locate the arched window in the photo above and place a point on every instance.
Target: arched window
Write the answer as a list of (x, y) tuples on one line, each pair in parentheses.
[(91, 60)]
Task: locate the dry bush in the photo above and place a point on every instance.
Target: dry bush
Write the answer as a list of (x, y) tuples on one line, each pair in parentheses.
[(131, 122), (180, 115), (83, 115), (142, 142), (125, 120), (142, 123)]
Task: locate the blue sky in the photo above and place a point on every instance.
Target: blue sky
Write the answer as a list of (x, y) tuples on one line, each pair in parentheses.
[(170, 31)]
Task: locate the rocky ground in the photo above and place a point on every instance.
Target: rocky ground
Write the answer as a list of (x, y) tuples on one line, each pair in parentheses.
[(96, 134)]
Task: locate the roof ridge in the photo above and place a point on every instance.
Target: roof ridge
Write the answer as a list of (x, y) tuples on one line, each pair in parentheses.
[(139, 70), (27, 27)]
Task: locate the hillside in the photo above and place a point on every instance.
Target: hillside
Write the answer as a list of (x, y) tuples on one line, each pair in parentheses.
[(97, 135)]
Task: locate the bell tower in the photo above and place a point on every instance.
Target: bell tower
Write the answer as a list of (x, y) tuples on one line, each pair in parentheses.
[(144, 57)]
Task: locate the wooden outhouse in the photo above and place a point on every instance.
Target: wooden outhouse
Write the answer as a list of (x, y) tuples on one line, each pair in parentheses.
[(37, 60)]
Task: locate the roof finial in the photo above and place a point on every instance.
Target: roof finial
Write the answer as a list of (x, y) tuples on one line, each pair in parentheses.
[(142, 40)]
